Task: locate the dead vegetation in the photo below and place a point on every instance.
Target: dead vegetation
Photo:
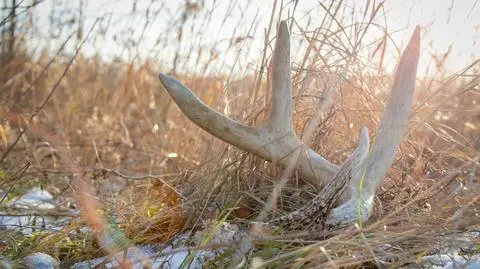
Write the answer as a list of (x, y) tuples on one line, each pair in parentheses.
[(114, 125)]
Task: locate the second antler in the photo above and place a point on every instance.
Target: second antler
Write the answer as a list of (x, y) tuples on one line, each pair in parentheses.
[(276, 141)]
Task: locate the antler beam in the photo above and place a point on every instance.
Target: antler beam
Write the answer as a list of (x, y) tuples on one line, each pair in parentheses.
[(276, 140)]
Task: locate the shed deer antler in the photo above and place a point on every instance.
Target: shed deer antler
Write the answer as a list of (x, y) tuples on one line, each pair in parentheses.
[(276, 140)]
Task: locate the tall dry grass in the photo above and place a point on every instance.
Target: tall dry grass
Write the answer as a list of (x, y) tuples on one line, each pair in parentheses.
[(116, 124)]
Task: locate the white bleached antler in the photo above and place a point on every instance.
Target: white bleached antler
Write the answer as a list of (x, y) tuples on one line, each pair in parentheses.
[(387, 140), (276, 141)]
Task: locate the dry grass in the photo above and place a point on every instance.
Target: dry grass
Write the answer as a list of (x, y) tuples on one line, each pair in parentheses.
[(116, 125)]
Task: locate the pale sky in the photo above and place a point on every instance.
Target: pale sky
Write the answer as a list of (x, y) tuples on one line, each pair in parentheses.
[(444, 23)]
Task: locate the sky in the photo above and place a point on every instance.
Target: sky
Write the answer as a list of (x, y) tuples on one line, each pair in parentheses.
[(447, 26), (444, 24)]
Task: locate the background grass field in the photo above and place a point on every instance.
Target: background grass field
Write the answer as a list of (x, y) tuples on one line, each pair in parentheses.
[(109, 120)]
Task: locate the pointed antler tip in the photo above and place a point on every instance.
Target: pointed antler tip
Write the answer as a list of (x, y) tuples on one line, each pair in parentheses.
[(168, 82), (364, 131), (162, 76), (165, 79), (415, 40), (283, 30)]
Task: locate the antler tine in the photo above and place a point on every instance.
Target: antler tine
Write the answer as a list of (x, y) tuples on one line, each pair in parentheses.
[(395, 117), (208, 119), (281, 114), (389, 135)]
